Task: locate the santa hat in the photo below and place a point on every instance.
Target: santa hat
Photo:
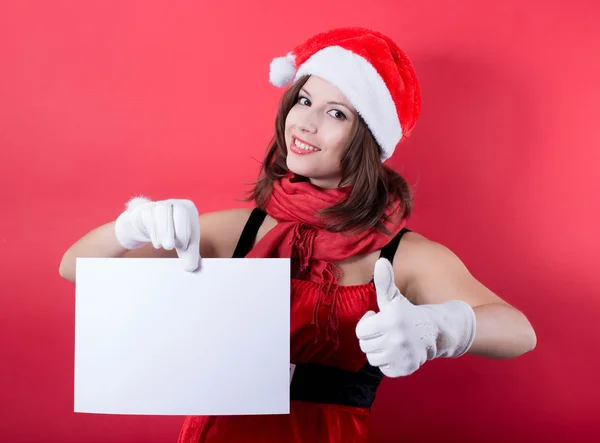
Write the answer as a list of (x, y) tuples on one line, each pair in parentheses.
[(372, 72)]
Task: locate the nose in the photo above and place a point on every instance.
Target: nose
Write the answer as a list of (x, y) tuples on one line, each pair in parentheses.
[(308, 123)]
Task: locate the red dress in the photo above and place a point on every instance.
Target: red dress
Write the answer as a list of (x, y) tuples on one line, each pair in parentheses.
[(307, 421), (333, 385)]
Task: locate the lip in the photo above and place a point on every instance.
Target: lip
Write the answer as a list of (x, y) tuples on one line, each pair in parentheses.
[(299, 151)]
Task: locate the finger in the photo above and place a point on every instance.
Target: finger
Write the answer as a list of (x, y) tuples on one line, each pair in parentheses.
[(372, 345), (169, 242), (165, 232), (369, 327), (148, 216), (378, 359), (398, 370), (191, 255)]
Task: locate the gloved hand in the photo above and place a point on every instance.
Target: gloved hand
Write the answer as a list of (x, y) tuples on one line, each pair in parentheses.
[(401, 336), (167, 224)]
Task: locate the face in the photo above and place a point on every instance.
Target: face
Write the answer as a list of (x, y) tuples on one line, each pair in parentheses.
[(317, 130)]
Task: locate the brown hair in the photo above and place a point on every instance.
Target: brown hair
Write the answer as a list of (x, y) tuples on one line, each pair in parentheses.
[(373, 183)]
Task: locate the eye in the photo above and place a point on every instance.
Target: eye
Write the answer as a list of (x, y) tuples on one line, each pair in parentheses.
[(303, 101), (337, 114)]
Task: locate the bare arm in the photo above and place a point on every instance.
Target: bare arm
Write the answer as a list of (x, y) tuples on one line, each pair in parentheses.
[(434, 274), (219, 232), (99, 242)]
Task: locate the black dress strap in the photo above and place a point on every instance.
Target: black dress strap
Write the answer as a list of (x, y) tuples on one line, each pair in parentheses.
[(249, 232), (389, 250)]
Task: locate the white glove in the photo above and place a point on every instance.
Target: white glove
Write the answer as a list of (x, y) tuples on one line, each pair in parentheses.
[(167, 224), (401, 336)]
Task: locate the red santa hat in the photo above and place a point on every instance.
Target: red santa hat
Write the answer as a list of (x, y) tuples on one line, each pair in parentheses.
[(370, 69)]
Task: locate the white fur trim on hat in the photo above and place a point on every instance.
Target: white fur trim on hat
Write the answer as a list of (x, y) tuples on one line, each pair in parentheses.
[(366, 90)]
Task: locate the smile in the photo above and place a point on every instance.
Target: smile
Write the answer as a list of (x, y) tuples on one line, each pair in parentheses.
[(299, 147)]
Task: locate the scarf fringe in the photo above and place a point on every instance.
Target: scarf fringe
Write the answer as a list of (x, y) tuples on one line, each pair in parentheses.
[(294, 203), (329, 290), (302, 243)]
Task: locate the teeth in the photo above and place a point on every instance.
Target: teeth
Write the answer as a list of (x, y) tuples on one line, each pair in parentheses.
[(304, 146)]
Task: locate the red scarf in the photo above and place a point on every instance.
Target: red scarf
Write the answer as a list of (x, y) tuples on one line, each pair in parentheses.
[(300, 234)]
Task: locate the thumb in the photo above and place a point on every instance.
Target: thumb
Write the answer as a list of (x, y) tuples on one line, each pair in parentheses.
[(189, 253), (384, 283)]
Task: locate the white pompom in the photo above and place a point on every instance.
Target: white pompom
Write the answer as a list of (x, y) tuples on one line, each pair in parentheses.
[(283, 70), (137, 201)]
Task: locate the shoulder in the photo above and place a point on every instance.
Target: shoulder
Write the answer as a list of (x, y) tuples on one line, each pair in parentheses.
[(418, 259), (427, 271), (220, 231), (416, 251)]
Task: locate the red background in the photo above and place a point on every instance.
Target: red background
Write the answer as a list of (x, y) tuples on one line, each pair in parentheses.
[(103, 100)]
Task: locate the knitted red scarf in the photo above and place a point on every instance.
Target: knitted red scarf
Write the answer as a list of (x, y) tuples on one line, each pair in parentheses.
[(301, 234)]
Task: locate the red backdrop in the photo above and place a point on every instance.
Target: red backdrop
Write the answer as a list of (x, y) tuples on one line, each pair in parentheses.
[(102, 100)]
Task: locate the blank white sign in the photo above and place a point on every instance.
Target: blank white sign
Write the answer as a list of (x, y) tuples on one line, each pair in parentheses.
[(151, 338)]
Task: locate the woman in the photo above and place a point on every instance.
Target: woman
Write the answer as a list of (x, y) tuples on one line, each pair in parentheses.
[(369, 297)]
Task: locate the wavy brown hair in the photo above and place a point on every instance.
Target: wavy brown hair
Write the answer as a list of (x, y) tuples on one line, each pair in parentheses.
[(373, 183)]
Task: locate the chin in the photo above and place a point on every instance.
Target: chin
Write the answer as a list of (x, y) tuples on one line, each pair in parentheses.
[(305, 167), (312, 172)]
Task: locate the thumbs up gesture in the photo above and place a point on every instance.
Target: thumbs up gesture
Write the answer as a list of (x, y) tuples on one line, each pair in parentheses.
[(401, 336)]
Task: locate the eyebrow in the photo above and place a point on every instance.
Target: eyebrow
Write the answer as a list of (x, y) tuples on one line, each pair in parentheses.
[(330, 103)]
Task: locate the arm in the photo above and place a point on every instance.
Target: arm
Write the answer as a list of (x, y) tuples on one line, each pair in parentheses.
[(219, 233), (432, 274), (431, 307), (99, 242)]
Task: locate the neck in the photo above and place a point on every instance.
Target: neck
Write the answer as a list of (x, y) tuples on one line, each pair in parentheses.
[(322, 183)]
